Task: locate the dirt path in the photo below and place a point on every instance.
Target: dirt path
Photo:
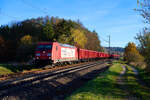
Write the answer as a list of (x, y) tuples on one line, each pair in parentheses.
[(124, 86), (139, 80), (134, 88), (135, 71), (120, 79)]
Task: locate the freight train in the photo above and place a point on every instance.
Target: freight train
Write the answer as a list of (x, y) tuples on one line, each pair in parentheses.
[(56, 53)]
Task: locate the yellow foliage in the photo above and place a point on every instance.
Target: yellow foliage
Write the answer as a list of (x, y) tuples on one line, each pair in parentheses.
[(132, 54), (131, 48), (26, 40), (79, 37)]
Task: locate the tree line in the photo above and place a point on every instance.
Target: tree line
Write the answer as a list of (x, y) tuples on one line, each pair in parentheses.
[(18, 40)]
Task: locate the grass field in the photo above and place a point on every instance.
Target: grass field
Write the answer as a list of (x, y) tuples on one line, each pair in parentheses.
[(4, 70), (10, 69), (145, 76), (103, 87), (106, 87)]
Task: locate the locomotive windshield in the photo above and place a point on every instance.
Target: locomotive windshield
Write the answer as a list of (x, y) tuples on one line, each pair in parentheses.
[(44, 47)]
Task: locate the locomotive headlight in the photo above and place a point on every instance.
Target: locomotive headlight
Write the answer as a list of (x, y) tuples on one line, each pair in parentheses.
[(48, 54), (38, 54)]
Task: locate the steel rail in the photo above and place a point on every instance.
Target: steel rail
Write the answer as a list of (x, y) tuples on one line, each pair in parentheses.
[(43, 77)]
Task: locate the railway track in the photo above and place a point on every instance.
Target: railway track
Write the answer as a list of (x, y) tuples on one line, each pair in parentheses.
[(36, 79), (46, 68)]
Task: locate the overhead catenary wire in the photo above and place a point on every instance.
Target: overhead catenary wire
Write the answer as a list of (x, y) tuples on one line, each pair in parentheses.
[(34, 7), (104, 39), (5, 14), (27, 3)]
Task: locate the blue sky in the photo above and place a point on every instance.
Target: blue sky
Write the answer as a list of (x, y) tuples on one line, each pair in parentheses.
[(108, 17)]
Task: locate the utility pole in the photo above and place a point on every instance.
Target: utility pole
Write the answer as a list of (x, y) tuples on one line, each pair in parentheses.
[(109, 44)]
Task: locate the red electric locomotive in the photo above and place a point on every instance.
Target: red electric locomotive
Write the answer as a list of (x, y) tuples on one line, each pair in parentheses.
[(55, 52)]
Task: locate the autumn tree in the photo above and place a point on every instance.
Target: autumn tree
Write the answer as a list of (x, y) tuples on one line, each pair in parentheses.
[(2, 44), (79, 37), (26, 48), (48, 32), (63, 31), (1, 41), (26, 40), (144, 46), (131, 53), (144, 36), (144, 9), (93, 42)]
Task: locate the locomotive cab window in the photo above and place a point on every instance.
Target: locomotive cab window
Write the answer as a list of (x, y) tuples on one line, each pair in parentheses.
[(44, 47)]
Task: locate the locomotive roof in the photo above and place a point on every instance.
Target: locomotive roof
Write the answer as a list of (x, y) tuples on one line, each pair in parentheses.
[(66, 45)]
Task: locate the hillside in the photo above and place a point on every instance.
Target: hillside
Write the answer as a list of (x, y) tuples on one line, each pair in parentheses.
[(116, 50)]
